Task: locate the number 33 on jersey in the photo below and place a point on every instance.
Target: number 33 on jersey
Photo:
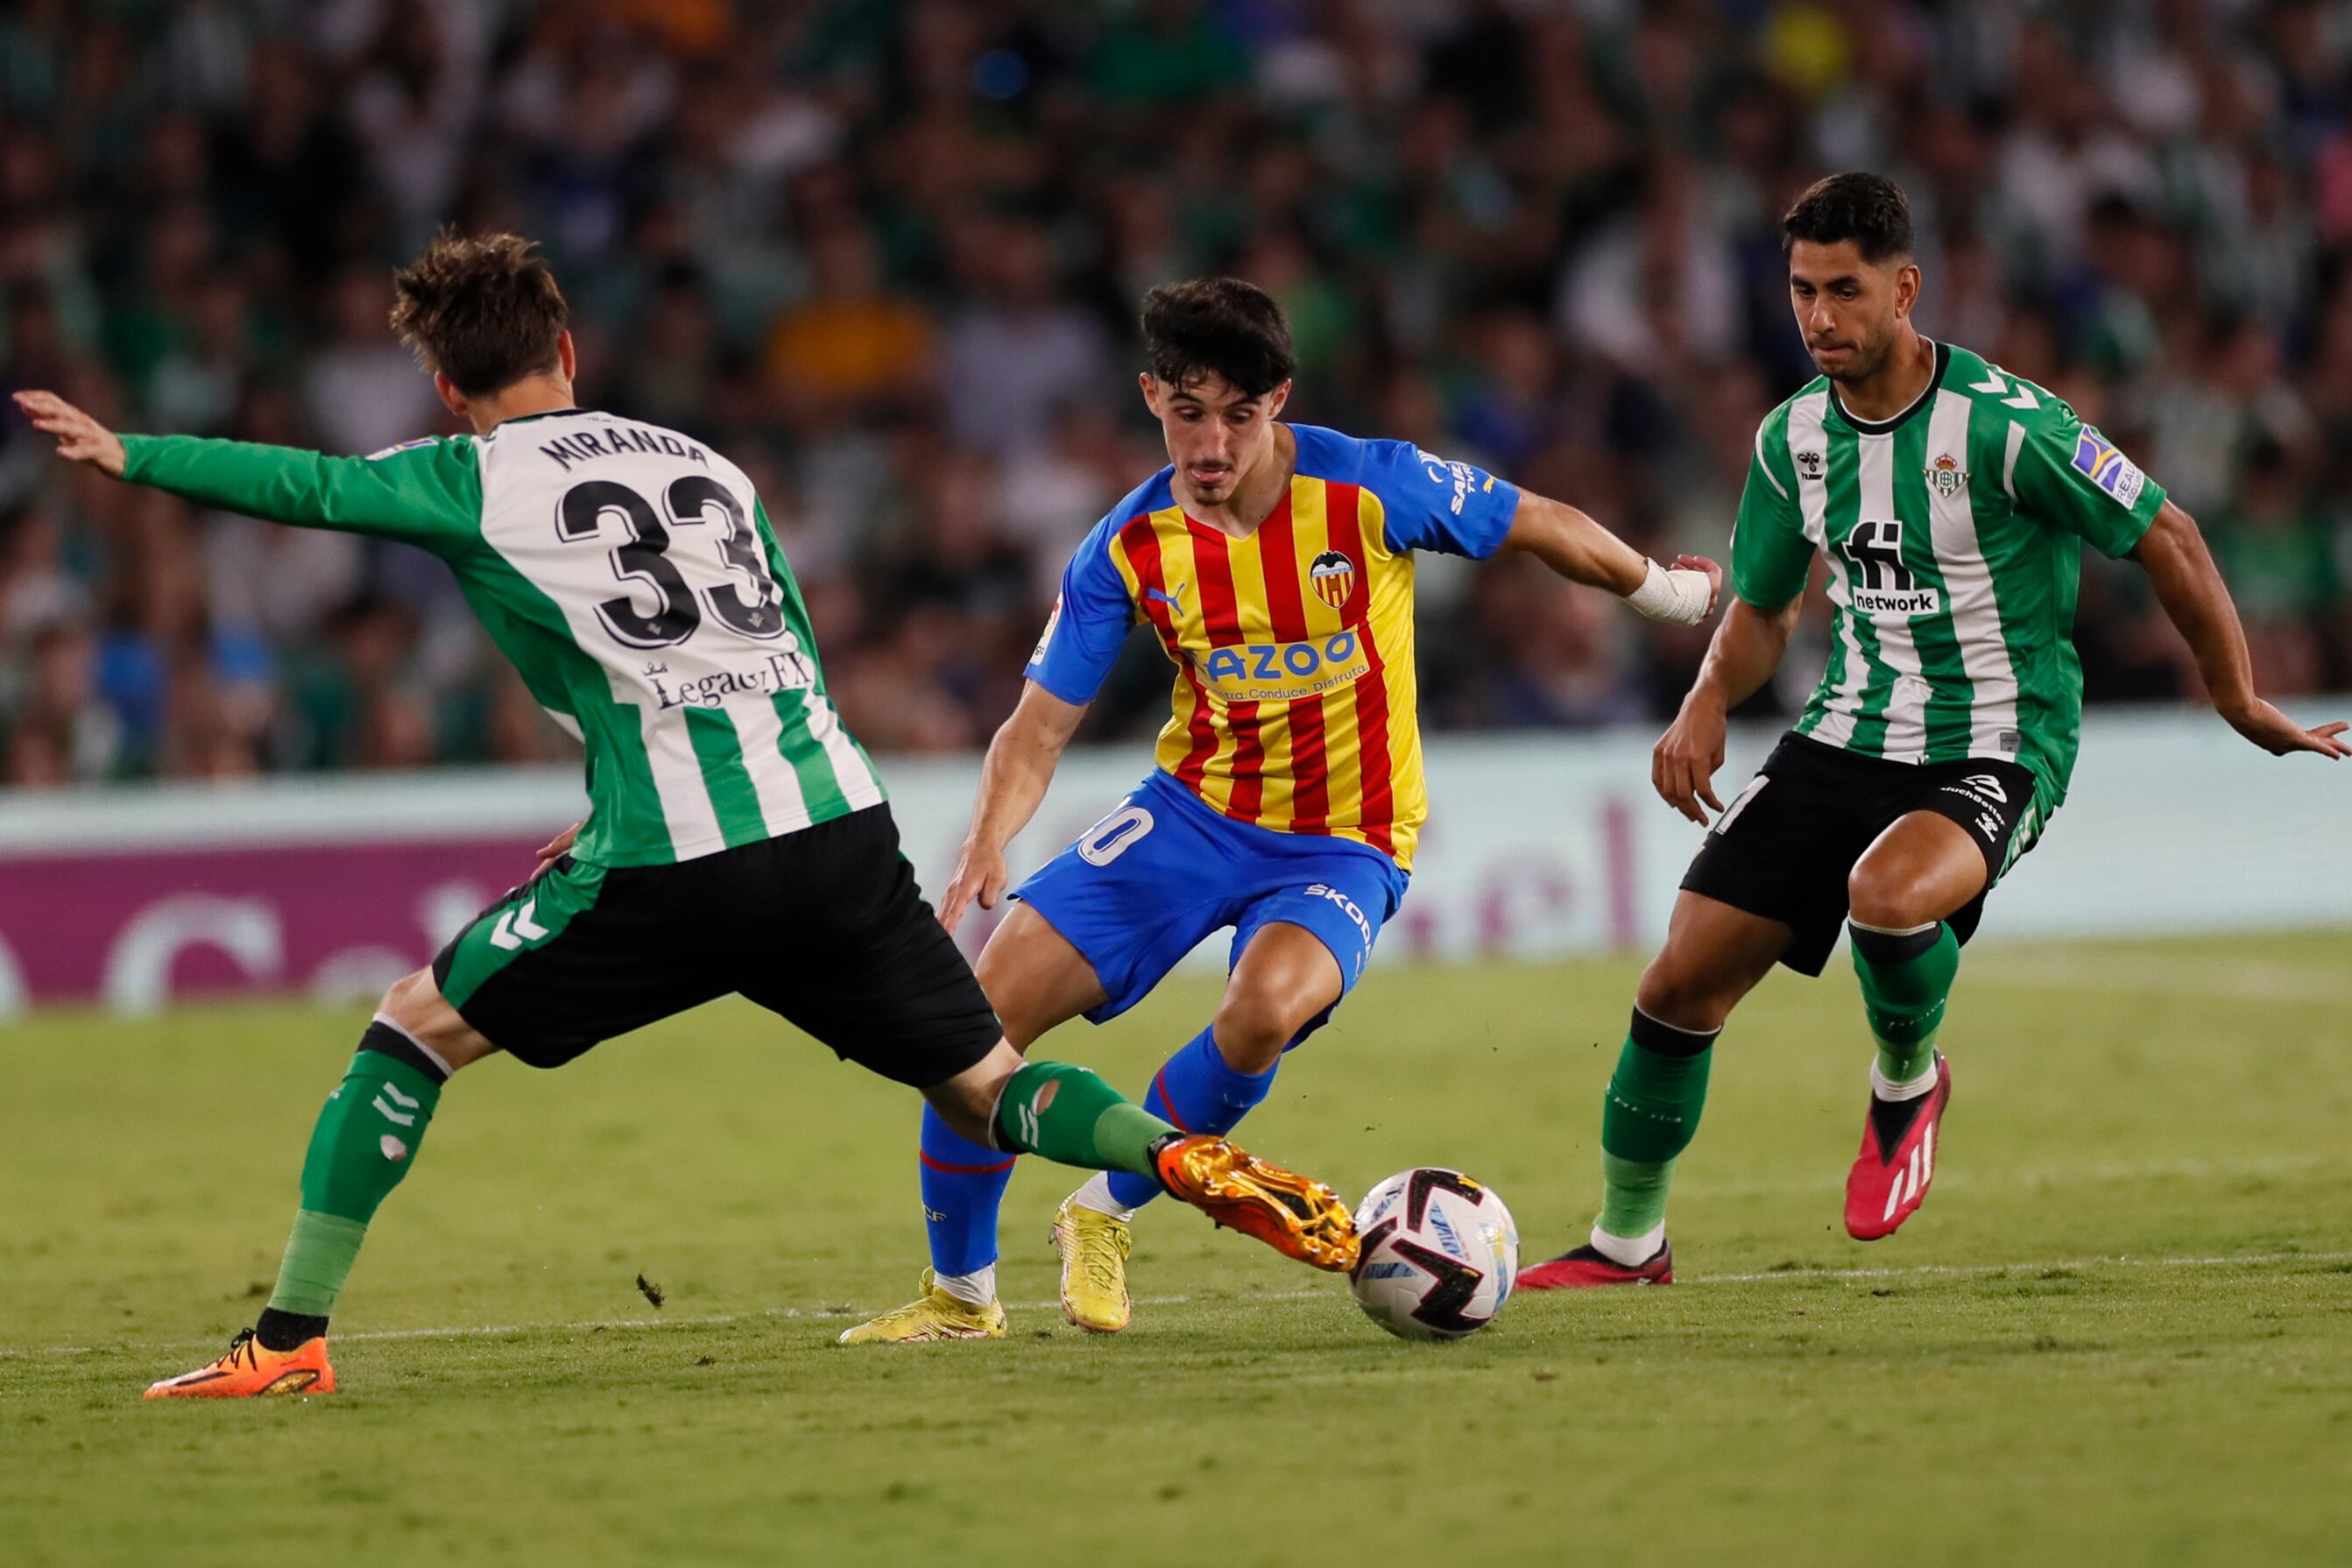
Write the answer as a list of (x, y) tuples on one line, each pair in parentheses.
[(630, 574)]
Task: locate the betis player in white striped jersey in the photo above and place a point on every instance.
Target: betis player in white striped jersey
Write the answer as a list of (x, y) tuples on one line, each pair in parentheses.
[(1950, 501), (737, 839), (629, 574)]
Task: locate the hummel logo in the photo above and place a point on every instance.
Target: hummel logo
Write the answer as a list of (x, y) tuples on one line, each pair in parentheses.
[(516, 927), (406, 1115)]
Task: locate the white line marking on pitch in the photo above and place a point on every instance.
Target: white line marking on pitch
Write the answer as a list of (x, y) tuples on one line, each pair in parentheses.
[(2042, 1264), (1932, 1270)]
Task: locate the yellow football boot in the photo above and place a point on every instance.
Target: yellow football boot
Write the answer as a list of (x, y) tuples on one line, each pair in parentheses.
[(1094, 1247), (251, 1370), (1297, 1217), (934, 1315)]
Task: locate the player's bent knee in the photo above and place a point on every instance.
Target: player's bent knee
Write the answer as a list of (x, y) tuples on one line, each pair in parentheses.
[(413, 1004), (967, 1102), (1251, 1031), (1685, 996), (1891, 898)]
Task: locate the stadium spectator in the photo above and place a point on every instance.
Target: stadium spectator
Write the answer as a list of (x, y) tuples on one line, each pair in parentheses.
[(889, 252)]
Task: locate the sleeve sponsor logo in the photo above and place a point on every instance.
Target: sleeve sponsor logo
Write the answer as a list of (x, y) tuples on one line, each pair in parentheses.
[(1461, 475), (2097, 458), (1284, 672)]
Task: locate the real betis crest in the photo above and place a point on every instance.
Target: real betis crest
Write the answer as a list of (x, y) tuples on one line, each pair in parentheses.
[(1945, 477)]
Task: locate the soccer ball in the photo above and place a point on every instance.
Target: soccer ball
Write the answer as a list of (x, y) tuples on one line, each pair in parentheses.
[(1440, 1252)]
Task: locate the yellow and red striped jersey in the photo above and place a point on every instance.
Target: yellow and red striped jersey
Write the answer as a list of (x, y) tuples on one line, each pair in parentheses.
[(1295, 706)]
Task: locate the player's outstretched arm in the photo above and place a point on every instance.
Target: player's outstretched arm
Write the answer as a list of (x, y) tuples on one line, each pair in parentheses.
[(1745, 651), (1012, 781), (1572, 544), (2195, 599), (422, 493)]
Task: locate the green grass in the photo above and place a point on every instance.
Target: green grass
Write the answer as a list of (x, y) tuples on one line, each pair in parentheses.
[(2122, 1326)]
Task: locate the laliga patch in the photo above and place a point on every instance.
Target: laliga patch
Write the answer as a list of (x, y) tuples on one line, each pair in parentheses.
[(1046, 637), (2096, 457), (404, 446)]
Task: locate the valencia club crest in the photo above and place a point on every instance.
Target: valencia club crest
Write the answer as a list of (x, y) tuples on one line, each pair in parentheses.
[(1334, 577)]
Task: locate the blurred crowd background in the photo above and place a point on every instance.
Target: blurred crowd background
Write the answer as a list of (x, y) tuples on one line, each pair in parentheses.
[(886, 255)]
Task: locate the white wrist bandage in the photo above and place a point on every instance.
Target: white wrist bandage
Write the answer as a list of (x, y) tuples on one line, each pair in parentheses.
[(1679, 596)]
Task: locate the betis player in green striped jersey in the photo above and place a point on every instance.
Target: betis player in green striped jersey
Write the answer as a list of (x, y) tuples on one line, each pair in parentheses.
[(738, 840), (1951, 502)]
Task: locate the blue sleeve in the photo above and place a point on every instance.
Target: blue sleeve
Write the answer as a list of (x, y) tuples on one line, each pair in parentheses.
[(1430, 503), (1089, 626)]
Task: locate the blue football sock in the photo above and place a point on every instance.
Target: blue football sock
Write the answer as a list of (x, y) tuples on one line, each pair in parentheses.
[(1197, 1091), (963, 1185)]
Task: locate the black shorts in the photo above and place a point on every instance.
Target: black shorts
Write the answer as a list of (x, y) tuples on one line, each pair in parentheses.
[(825, 926), (1785, 845)]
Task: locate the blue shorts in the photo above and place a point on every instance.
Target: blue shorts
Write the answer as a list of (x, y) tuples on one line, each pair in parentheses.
[(1149, 882)]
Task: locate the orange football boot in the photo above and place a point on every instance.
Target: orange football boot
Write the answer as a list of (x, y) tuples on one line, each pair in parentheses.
[(251, 1370), (1297, 1217)]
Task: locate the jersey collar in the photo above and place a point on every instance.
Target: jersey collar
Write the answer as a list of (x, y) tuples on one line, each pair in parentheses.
[(1888, 427), (544, 413)]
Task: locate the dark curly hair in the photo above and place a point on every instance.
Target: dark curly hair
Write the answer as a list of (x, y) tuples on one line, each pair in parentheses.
[(1869, 209), (1219, 326), (483, 310)]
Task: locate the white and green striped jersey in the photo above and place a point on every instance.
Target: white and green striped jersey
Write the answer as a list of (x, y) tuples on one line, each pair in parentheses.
[(1953, 533), (630, 575)]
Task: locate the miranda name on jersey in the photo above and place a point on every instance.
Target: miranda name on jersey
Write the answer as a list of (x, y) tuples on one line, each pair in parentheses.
[(620, 440)]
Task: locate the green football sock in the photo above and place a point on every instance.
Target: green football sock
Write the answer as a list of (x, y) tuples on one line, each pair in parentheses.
[(365, 1141), (1070, 1116), (1647, 1120), (1906, 977)]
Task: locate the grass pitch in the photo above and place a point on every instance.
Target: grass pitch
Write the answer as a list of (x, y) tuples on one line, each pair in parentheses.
[(2122, 1326)]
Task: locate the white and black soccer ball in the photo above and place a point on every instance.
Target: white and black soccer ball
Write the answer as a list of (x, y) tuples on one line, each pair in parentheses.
[(1439, 1254)]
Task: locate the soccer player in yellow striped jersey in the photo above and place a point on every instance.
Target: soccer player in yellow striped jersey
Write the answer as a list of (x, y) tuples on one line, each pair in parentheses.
[(1274, 563)]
